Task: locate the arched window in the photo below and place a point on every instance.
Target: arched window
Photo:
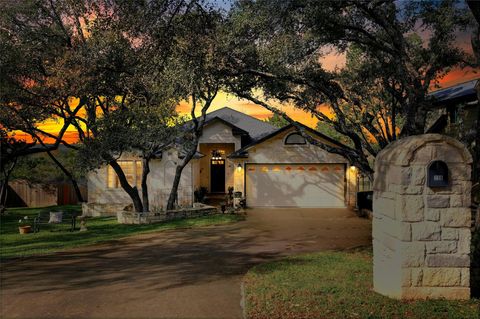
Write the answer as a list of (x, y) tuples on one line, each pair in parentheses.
[(295, 139)]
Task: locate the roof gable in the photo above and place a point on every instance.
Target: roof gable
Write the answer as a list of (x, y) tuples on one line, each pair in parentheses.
[(235, 129), (243, 152), (255, 127)]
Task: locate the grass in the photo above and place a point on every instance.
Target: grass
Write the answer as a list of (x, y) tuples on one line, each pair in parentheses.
[(100, 229), (334, 285)]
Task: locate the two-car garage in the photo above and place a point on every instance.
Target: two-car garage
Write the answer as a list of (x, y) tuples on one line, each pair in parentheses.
[(295, 185), (283, 169)]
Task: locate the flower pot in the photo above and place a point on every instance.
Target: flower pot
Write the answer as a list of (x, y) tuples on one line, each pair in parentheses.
[(24, 229)]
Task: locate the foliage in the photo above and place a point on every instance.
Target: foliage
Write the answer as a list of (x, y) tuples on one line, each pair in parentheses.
[(143, 130), (43, 44), (10, 148), (277, 50), (277, 121), (82, 61), (100, 229), (203, 56), (38, 168), (334, 285), (329, 131)]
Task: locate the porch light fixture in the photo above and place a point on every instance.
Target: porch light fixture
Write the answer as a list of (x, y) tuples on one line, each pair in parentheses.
[(239, 167), (216, 155), (353, 168)]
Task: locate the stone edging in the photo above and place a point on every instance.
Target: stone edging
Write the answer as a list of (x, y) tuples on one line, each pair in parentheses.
[(125, 217)]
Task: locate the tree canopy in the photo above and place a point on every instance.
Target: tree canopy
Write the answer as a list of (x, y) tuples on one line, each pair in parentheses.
[(278, 48), (114, 70)]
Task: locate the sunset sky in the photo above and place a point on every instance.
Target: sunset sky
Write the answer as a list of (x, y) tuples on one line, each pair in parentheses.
[(330, 61)]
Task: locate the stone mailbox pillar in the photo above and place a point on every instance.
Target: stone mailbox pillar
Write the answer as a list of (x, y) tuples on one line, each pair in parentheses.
[(421, 233)]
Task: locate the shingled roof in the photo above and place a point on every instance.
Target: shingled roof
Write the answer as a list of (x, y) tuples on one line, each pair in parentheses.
[(255, 127), (243, 152), (466, 91)]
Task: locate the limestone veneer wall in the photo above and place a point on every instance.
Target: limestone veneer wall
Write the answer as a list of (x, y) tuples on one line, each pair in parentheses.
[(105, 201), (218, 132), (421, 235)]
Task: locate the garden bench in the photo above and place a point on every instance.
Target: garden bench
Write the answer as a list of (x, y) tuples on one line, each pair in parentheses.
[(45, 218)]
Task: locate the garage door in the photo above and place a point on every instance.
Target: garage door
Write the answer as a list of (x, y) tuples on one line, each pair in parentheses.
[(302, 185)]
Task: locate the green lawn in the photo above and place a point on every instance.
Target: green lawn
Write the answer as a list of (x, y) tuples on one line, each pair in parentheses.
[(334, 285), (100, 229)]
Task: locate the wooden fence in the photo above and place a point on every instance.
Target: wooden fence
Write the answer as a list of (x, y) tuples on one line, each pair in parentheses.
[(24, 194)]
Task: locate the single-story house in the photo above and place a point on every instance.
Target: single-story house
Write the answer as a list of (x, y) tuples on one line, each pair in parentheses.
[(272, 167)]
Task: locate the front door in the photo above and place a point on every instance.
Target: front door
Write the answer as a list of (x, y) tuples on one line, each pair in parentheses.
[(217, 176)]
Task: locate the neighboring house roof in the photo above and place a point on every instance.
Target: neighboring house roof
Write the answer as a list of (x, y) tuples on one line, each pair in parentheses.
[(255, 127), (451, 97), (453, 94), (242, 153)]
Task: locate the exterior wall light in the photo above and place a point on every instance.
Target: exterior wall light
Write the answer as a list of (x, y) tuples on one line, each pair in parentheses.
[(353, 168), (239, 167), (217, 154)]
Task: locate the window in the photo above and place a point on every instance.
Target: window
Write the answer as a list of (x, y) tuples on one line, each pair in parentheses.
[(295, 139), (132, 171)]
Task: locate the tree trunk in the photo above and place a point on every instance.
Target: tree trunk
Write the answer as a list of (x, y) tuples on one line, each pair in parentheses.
[(78, 193), (191, 152), (197, 131), (3, 195), (145, 171), (131, 191), (416, 112), (4, 187), (420, 119), (176, 181)]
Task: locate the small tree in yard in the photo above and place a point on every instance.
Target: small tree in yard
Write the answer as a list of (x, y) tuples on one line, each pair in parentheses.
[(77, 62), (202, 48), (37, 84), (191, 133), (178, 46), (277, 49)]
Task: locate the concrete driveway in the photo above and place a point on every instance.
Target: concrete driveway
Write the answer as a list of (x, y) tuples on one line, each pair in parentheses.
[(193, 273)]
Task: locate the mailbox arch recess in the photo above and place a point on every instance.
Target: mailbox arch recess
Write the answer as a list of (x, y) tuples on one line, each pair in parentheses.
[(437, 174)]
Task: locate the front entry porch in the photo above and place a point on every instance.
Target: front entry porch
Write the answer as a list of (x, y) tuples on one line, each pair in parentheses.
[(215, 170)]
